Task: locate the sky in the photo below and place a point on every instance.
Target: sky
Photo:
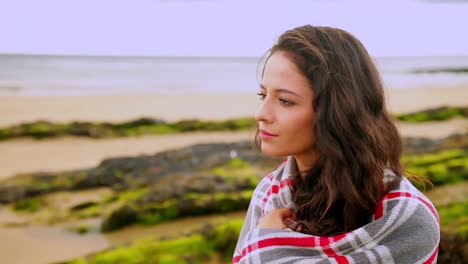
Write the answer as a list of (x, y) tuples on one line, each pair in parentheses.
[(225, 27)]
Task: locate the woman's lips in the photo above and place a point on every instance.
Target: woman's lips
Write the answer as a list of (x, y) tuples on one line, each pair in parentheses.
[(266, 135)]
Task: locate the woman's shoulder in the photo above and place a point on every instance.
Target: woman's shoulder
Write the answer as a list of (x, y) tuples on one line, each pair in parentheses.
[(405, 200), (404, 189), (408, 218)]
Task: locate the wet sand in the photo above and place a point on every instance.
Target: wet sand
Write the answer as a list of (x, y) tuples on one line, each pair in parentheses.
[(37, 244), (47, 244)]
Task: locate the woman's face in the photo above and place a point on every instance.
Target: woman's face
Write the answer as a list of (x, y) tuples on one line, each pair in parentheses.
[(286, 115)]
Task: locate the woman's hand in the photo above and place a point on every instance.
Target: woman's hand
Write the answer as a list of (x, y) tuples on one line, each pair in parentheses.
[(278, 218)]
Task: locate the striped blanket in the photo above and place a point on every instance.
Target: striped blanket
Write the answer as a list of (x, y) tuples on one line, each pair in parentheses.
[(404, 229)]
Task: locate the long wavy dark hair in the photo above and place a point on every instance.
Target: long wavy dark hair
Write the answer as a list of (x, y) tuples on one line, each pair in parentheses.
[(354, 133)]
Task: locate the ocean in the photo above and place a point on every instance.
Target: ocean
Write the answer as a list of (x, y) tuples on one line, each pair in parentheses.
[(82, 75)]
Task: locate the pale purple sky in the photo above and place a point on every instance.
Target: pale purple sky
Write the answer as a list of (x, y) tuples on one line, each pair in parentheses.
[(226, 28)]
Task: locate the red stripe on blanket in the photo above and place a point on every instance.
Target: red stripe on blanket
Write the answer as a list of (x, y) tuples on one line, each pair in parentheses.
[(330, 252), (323, 242), (287, 182), (275, 188), (341, 260), (379, 209), (270, 176), (393, 195), (432, 257)]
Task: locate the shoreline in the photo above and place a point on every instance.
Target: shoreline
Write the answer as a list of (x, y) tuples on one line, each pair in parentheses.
[(15, 109)]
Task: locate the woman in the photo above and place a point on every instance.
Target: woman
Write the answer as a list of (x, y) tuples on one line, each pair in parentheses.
[(340, 196)]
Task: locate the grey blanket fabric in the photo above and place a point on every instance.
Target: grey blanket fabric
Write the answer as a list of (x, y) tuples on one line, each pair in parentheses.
[(405, 229)]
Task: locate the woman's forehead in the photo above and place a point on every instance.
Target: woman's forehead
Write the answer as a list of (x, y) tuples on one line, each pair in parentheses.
[(282, 73)]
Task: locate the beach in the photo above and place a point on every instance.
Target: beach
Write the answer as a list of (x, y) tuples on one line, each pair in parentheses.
[(127, 131), (29, 155)]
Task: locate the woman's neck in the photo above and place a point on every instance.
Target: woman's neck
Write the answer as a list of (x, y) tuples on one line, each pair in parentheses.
[(306, 162)]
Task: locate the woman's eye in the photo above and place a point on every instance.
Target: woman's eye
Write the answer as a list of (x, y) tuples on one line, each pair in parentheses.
[(285, 102), (262, 96), (282, 101)]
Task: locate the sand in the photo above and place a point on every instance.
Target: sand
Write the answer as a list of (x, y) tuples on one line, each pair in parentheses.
[(114, 108), (415, 99), (117, 108)]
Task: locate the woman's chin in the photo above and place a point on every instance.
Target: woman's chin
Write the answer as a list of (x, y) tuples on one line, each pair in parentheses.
[(273, 152)]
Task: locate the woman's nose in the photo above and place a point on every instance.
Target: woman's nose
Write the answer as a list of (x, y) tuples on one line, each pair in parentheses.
[(263, 113)]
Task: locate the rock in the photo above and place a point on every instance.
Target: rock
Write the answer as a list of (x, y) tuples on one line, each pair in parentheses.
[(11, 194), (84, 205), (421, 145), (121, 217), (133, 172)]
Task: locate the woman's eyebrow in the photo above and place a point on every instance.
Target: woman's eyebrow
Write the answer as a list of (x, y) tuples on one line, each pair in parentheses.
[(280, 90)]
